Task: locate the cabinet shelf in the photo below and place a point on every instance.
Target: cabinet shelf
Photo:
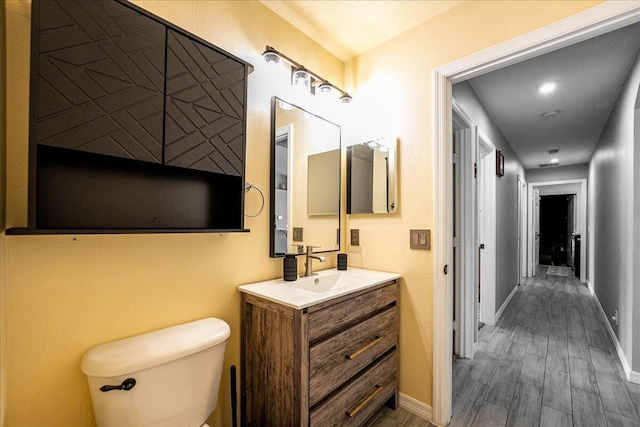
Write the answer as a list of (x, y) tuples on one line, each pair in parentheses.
[(136, 153), (24, 231)]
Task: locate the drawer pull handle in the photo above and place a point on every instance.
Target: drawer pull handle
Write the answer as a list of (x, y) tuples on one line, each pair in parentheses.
[(363, 349), (364, 403)]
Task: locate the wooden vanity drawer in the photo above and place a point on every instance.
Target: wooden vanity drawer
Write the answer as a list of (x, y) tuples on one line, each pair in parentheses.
[(359, 400), (327, 320), (336, 360)]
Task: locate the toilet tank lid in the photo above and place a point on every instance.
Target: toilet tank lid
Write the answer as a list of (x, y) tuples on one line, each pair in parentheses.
[(154, 348)]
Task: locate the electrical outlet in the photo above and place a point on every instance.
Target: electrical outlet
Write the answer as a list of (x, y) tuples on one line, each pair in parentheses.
[(355, 237)]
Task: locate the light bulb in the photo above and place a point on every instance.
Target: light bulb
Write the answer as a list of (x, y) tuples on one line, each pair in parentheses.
[(547, 87), (346, 99), (271, 56), (325, 87)]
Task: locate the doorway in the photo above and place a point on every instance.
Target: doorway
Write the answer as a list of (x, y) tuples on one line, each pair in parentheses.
[(595, 21), (576, 230), (556, 229)]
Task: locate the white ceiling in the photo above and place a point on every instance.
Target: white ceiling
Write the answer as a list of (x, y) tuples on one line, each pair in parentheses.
[(350, 28), (589, 76)]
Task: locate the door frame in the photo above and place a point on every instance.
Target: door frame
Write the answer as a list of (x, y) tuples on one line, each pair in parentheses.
[(592, 22), (581, 219)]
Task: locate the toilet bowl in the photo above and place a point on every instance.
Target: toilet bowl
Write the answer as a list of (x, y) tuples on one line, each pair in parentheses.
[(168, 377)]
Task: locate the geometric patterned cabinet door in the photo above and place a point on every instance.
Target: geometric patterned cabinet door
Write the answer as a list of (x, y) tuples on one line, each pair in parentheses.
[(100, 80), (205, 96)]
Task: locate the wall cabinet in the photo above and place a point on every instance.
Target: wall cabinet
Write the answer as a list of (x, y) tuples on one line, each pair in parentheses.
[(331, 364), (136, 125)]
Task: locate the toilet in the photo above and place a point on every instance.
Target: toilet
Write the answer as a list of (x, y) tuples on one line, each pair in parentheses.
[(168, 377)]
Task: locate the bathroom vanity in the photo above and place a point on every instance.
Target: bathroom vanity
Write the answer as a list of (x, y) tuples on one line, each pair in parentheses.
[(319, 351)]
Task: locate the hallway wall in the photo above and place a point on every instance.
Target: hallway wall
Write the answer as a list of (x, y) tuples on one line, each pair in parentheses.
[(506, 192), (612, 170), (560, 173)]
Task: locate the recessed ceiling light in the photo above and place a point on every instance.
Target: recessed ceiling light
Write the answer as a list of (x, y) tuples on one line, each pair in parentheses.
[(547, 87), (551, 113), (553, 161)]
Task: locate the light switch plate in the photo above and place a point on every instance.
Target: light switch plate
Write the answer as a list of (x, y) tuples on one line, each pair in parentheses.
[(420, 239), (297, 234), (355, 237)]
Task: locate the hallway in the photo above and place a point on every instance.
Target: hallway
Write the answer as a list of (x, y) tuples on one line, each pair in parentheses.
[(549, 361)]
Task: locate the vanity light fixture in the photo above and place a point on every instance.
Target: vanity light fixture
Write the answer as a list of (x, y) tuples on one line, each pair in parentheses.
[(325, 87), (270, 55), (346, 98), (300, 76), (303, 76)]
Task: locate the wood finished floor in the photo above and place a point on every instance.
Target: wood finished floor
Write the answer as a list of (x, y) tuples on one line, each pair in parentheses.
[(549, 362), (399, 418)]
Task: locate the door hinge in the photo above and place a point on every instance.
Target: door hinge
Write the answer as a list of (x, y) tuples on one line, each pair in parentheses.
[(454, 325), (456, 242), (455, 157), (475, 170)]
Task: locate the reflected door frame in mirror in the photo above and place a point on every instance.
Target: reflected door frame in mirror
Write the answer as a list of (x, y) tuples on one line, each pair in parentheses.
[(372, 177)]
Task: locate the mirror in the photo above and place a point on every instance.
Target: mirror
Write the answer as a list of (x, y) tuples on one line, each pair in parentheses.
[(372, 177), (305, 181)]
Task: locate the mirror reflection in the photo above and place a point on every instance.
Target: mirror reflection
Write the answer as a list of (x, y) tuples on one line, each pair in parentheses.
[(372, 177), (305, 181)]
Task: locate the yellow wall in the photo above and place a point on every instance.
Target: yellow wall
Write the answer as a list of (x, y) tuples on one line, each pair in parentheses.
[(3, 240), (68, 293)]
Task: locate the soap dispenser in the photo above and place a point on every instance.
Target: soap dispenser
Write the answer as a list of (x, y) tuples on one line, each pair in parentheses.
[(290, 267)]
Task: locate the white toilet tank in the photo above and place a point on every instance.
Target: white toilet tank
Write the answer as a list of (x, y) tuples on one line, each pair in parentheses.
[(169, 377)]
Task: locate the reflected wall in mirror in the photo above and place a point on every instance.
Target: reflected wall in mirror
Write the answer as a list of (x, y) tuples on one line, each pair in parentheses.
[(305, 180), (372, 177)]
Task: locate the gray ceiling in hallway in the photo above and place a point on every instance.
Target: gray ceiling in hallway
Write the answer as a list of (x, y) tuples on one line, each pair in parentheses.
[(588, 77)]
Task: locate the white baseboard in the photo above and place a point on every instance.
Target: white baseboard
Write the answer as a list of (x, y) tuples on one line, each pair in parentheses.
[(414, 406), (592, 290), (632, 376), (506, 303)]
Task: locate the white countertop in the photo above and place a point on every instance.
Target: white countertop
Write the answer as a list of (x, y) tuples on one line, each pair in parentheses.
[(294, 295)]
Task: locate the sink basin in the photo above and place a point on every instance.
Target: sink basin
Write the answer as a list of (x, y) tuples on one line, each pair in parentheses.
[(318, 283), (326, 285)]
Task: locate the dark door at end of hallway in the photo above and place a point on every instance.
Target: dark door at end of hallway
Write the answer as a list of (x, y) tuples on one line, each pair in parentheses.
[(556, 227)]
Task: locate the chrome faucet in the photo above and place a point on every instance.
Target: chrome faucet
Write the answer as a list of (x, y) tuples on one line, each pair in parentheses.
[(309, 256)]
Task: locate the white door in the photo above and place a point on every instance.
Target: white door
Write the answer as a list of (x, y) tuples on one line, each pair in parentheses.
[(523, 229), (536, 231), (519, 197), (486, 228), (464, 232), (457, 262), (571, 229)]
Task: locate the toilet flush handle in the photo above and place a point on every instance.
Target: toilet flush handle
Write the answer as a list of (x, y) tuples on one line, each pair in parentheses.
[(126, 385)]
